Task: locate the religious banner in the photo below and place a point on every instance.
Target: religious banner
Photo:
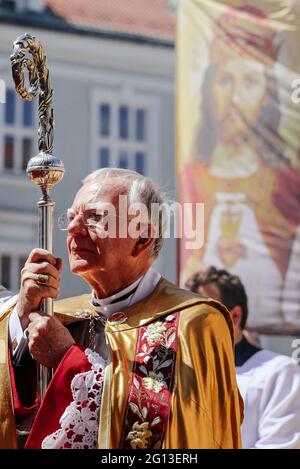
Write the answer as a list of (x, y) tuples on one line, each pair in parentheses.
[(238, 147)]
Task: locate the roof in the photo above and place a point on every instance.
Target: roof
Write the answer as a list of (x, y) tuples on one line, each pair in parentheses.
[(147, 18), (142, 21)]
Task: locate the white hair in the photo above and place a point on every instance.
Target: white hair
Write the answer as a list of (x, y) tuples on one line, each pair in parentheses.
[(140, 190)]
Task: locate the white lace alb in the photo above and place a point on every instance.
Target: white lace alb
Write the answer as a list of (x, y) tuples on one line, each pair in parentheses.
[(80, 420)]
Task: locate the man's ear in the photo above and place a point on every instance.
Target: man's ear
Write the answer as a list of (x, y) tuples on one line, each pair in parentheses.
[(144, 241), (237, 315)]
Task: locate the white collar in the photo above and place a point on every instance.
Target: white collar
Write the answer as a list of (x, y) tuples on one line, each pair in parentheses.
[(142, 287), (106, 301)]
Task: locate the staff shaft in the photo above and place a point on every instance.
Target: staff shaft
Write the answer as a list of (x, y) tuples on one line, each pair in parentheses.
[(45, 208)]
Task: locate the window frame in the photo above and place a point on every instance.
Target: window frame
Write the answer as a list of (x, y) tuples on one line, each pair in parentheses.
[(19, 132), (134, 101)]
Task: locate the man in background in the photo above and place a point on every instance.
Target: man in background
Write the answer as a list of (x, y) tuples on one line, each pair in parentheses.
[(269, 382)]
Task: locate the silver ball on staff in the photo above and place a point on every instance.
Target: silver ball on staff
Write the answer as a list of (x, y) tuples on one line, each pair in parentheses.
[(46, 171)]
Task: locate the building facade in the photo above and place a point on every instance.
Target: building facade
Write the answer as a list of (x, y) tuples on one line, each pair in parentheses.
[(113, 104)]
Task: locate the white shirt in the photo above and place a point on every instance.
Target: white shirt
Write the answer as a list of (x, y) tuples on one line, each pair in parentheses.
[(270, 386), (142, 287)]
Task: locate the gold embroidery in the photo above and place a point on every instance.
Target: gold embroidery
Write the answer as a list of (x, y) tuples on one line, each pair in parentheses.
[(139, 435)]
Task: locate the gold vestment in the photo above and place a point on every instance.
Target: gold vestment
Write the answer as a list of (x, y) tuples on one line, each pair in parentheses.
[(206, 408)]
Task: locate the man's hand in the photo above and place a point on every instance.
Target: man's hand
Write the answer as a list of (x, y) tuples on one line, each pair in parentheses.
[(48, 339), (40, 278)]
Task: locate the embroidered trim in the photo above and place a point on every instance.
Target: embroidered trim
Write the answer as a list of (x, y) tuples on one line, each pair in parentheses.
[(80, 421), (149, 400)]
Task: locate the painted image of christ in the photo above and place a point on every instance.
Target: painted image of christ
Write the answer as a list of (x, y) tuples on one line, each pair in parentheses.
[(238, 166)]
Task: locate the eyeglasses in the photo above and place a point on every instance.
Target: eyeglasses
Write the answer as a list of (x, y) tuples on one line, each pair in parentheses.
[(90, 219)]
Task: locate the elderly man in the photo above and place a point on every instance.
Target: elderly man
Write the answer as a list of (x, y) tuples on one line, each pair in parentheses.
[(142, 363), (269, 382)]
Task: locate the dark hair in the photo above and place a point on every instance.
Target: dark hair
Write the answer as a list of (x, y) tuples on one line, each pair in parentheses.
[(231, 289)]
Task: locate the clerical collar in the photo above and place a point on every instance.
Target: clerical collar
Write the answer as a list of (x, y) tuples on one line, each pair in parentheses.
[(243, 351), (130, 295), (121, 295)]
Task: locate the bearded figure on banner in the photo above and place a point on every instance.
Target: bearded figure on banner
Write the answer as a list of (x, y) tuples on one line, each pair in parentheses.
[(239, 165)]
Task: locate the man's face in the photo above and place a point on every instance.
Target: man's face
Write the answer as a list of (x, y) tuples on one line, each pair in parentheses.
[(239, 89), (91, 253)]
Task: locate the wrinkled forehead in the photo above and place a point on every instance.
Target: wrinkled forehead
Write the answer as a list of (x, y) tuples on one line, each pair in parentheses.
[(100, 191)]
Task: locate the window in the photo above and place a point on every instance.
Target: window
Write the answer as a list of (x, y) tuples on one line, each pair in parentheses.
[(10, 4), (121, 133), (104, 157), (104, 120), (10, 107), (140, 162), (8, 151), (23, 5), (123, 122), (10, 267), (17, 133), (141, 125), (5, 271)]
